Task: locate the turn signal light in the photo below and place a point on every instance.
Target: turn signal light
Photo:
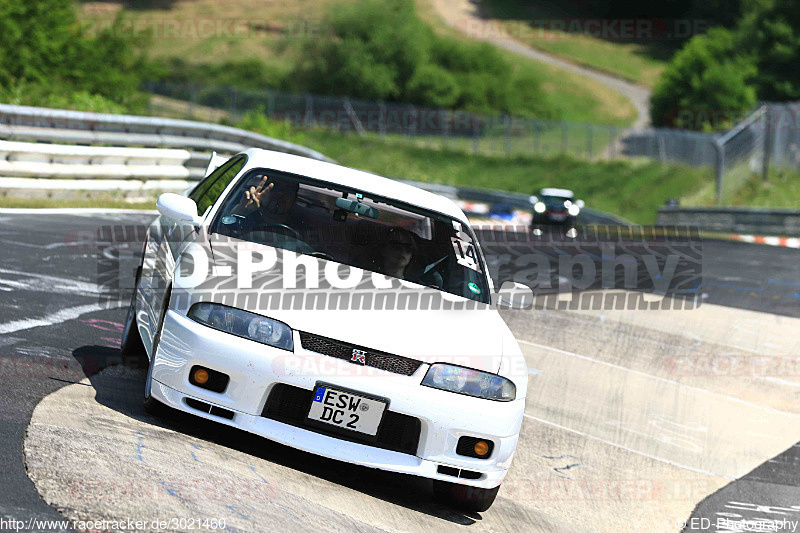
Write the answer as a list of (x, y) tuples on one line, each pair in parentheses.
[(201, 378), (205, 378), (474, 447), (481, 448)]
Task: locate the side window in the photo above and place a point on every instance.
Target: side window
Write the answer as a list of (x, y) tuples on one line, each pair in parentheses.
[(208, 191)]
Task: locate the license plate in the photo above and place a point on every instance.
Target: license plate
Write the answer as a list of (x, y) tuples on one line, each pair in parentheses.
[(558, 216), (346, 410)]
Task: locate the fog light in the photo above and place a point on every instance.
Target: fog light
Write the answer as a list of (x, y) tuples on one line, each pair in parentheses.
[(474, 447), (208, 379), (481, 448), (201, 377)]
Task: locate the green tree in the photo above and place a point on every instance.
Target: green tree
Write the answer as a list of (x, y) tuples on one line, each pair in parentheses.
[(390, 30), (381, 50), (706, 86), (42, 44), (371, 49), (770, 31), (35, 38), (347, 68), (433, 85)]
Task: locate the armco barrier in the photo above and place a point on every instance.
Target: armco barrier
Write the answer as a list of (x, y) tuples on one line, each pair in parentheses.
[(747, 220), (32, 160), (23, 123)]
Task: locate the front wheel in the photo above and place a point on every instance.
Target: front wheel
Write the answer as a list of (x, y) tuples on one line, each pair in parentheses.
[(473, 499), (151, 405), (132, 347)]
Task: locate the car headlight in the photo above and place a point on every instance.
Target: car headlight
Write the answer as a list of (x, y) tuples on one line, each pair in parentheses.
[(573, 210), (470, 382), (539, 207), (243, 324)]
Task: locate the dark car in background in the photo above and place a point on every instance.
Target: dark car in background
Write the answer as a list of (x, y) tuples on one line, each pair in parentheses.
[(555, 207)]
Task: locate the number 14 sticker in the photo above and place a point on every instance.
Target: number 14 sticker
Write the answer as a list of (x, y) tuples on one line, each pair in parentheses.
[(466, 254)]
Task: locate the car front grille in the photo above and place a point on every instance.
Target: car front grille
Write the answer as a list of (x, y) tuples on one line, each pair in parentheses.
[(342, 350), (290, 405)]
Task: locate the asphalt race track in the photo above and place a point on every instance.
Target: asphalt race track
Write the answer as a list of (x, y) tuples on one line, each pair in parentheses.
[(635, 420)]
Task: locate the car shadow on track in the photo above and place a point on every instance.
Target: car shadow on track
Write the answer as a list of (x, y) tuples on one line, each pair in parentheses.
[(123, 392)]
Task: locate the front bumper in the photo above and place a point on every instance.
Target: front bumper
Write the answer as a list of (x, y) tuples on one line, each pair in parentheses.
[(254, 369), (560, 219)]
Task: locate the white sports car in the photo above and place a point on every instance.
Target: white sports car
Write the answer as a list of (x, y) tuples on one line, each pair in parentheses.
[(336, 312)]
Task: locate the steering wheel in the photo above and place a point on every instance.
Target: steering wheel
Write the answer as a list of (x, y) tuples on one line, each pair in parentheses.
[(265, 227), (322, 255)]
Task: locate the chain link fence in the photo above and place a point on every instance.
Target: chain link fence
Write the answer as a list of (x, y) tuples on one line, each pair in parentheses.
[(741, 153), (496, 135), (767, 137), (783, 130), (773, 130)]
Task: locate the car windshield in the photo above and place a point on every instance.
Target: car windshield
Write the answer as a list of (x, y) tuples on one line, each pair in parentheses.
[(555, 202), (354, 228)]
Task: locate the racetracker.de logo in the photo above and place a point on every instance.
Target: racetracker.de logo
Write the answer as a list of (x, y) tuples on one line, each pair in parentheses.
[(609, 29)]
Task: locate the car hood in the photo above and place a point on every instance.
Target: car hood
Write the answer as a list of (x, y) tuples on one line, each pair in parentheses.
[(468, 337)]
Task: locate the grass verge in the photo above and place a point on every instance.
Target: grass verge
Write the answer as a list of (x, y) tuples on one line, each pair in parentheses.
[(630, 189), (782, 189), (53, 203)]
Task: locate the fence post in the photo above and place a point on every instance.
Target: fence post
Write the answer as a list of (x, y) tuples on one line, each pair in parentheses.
[(507, 121), (720, 167), (662, 148), (768, 141), (446, 118), (192, 99), (612, 143), (270, 104), (537, 136), (308, 119), (564, 127), (382, 119), (475, 135), (233, 102), (589, 140), (348, 107)]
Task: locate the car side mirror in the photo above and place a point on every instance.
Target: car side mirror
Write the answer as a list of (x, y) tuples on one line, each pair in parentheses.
[(514, 295), (179, 208)]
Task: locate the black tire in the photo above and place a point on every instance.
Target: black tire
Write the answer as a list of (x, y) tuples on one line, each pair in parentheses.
[(151, 405), (464, 497), (132, 347)]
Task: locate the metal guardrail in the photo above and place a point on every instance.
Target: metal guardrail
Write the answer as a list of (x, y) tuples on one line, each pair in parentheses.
[(23, 123), (746, 220), (39, 160)]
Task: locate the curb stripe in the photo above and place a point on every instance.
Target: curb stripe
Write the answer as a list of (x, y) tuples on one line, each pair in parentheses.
[(786, 242)]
